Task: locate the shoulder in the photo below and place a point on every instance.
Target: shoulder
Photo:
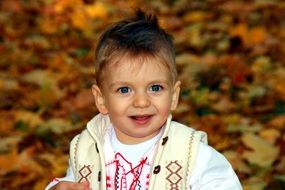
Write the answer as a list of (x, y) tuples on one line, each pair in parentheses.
[(213, 169), (82, 137), (209, 159), (208, 154)]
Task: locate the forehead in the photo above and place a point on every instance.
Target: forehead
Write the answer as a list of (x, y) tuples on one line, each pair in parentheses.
[(136, 65), (138, 62)]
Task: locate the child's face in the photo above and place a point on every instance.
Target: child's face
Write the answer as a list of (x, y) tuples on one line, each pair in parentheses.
[(138, 96)]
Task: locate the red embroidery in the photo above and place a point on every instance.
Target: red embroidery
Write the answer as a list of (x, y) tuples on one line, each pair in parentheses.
[(147, 181), (123, 172), (56, 179), (108, 183)]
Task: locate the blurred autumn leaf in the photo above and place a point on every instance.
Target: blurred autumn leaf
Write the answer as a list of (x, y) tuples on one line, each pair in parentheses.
[(230, 59)]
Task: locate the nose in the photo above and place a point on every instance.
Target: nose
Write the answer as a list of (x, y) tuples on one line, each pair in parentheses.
[(141, 100)]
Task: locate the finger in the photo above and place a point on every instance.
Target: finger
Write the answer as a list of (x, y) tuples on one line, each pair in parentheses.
[(78, 186), (86, 184)]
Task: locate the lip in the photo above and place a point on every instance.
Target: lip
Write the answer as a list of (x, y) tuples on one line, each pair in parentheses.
[(141, 119)]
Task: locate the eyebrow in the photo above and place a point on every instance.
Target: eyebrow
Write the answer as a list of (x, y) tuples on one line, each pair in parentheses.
[(161, 81), (123, 83), (119, 83)]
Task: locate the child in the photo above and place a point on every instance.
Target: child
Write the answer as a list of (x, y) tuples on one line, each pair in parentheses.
[(133, 144)]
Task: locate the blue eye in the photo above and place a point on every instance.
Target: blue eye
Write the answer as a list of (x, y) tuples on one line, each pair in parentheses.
[(124, 90), (156, 88)]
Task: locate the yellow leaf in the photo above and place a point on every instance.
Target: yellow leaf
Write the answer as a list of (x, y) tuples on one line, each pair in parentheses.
[(79, 19), (253, 182), (250, 36), (257, 35), (48, 26), (196, 16), (39, 77), (185, 58), (27, 163), (58, 125), (9, 84), (263, 153), (7, 161), (261, 64), (270, 135), (61, 5), (278, 122), (30, 118), (50, 91), (97, 10), (224, 105), (8, 143), (195, 35)]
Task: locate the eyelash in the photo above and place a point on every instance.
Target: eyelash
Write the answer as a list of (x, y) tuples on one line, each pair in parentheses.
[(120, 90), (157, 87), (153, 88)]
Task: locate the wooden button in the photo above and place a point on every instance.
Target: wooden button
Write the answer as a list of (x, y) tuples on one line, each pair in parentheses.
[(96, 148), (156, 169), (164, 140), (99, 176)]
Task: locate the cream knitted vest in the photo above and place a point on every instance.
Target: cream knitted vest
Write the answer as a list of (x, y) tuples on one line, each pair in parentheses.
[(173, 162)]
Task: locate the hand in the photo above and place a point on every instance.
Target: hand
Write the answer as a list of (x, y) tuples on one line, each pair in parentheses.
[(66, 185)]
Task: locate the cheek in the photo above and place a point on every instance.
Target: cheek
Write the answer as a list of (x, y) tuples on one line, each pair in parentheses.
[(116, 106), (164, 105)]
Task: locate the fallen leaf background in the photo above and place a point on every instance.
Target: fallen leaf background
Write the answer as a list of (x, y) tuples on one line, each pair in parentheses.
[(230, 59)]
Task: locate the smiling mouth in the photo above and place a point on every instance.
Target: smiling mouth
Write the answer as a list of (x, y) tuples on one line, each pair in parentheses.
[(141, 119)]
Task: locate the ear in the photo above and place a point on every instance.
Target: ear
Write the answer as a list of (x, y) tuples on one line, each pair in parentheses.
[(99, 99), (175, 95)]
